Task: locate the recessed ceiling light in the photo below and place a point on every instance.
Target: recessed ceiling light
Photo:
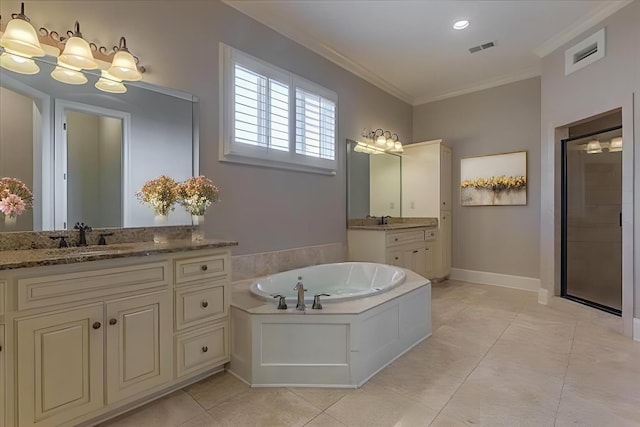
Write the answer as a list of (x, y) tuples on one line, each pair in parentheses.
[(461, 25)]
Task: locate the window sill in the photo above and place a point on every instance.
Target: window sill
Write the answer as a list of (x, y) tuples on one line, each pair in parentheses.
[(272, 164)]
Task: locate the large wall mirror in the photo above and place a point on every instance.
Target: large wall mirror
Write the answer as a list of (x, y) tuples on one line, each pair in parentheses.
[(374, 184), (85, 153)]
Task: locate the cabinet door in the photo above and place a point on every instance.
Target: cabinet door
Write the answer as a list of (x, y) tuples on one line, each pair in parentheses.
[(3, 376), (139, 354), (445, 178), (396, 258), (445, 236), (429, 261), (60, 369)]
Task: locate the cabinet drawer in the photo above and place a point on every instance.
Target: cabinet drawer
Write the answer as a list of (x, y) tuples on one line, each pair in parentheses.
[(3, 298), (203, 348), (200, 304), (64, 288), (430, 234), (190, 269), (394, 239)]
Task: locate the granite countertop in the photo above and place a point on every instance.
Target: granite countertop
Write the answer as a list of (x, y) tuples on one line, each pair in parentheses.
[(393, 223), (40, 257)]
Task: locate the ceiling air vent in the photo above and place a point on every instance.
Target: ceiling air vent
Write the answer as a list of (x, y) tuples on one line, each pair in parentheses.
[(584, 53), (482, 47)]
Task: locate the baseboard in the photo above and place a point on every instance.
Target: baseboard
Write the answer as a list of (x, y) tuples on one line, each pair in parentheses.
[(543, 296), (486, 278), (636, 329)]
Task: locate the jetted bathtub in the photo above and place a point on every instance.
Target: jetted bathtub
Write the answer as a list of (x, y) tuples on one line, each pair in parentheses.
[(342, 281)]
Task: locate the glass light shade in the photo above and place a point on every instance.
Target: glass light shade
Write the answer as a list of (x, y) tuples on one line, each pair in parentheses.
[(77, 54), (68, 75), (390, 143), (108, 83), (615, 145), (18, 64), (594, 147), (20, 37), (398, 147), (381, 140), (124, 67)]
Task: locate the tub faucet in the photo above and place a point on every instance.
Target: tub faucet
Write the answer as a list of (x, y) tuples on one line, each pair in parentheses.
[(82, 239), (300, 288)]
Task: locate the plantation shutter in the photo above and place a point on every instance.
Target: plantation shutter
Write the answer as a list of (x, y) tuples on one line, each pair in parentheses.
[(315, 125)]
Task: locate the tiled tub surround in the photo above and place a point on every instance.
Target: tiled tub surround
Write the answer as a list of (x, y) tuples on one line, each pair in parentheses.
[(265, 263), (109, 328), (342, 345), (41, 239)]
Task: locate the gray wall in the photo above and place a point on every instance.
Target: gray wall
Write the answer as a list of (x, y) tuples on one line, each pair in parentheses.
[(264, 209), (496, 239), (16, 147), (602, 86)]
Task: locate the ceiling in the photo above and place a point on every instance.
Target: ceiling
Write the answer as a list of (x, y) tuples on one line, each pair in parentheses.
[(409, 48)]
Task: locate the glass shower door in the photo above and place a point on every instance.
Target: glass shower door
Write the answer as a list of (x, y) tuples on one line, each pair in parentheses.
[(591, 220)]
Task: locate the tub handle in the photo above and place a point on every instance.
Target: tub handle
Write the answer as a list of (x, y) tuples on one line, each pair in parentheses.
[(316, 301), (282, 304)]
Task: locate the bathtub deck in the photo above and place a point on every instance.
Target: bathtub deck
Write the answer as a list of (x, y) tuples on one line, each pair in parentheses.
[(342, 345)]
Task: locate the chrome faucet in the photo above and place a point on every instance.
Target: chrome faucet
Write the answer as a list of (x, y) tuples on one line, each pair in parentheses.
[(300, 288)]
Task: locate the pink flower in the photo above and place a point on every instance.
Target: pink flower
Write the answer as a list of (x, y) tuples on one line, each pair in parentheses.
[(12, 205)]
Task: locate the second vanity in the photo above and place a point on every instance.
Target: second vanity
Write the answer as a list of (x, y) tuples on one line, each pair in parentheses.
[(88, 334)]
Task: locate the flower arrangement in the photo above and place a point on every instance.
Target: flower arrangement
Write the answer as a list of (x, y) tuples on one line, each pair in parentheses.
[(197, 193), (15, 197), (496, 183), (160, 193)]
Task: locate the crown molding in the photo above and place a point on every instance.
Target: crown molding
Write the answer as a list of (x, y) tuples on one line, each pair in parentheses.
[(598, 15), (301, 37), (482, 85)]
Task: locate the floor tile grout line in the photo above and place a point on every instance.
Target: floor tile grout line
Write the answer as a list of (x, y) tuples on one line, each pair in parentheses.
[(566, 371), (474, 368)]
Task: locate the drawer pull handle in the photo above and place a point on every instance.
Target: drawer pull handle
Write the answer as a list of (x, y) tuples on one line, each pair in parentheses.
[(113, 322), (97, 325), (415, 252), (204, 304), (204, 267), (205, 349), (397, 258), (396, 239)]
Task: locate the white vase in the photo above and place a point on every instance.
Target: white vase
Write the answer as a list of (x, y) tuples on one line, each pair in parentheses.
[(10, 221), (198, 232), (160, 233)]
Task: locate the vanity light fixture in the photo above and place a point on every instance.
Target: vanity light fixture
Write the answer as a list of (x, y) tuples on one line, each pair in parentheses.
[(77, 52), (108, 83), (593, 147), (460, 25), (18, 64), (20, 38), (615, 144), (124, 65), (383, 141)]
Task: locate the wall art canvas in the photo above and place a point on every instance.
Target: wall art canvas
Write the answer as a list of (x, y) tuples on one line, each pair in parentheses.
[(494, 180)]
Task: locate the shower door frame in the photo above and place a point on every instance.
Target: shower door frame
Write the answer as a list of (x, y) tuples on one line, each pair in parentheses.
[(564, 225)]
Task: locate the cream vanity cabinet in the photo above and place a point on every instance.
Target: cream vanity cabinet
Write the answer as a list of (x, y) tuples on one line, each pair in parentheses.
[(427, 192), (411, 248), (94, 337)]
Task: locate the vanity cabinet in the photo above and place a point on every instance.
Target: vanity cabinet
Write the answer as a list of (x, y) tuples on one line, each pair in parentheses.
[(410, 248), (427, 192), (93, 337)]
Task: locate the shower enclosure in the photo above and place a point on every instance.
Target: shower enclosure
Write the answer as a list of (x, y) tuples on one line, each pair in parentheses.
[(592, 219)]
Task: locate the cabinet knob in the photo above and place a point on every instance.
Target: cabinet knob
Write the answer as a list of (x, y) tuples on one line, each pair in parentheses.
[(396, 239), (204, 304), (97, 325), (205, 349), (397, 258), (113, 321), (204, 267), (415, 252)]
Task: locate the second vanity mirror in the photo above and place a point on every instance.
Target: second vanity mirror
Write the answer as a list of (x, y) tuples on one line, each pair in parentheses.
[(373, 183), (85, 153)]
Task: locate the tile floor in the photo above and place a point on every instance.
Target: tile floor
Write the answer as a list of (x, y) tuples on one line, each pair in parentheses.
[(496, 358)]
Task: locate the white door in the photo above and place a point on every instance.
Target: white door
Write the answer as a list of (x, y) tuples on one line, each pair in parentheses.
[(139, 354), (60, 366)]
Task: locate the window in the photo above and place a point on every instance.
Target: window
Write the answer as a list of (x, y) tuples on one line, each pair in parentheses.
[(273, 118)]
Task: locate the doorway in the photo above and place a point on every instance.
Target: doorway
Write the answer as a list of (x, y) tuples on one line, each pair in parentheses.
[(592, 215)]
